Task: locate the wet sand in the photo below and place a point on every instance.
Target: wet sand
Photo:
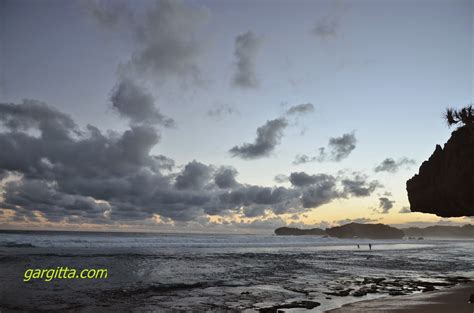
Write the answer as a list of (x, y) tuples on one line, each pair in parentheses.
[(455, 299)]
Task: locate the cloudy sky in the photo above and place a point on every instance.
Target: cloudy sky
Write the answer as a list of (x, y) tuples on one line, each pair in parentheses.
[(224, 116)]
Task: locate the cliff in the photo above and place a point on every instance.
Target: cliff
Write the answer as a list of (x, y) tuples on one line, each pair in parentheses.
[(369, 231), (445, 183), (466, 231), (289, 231)]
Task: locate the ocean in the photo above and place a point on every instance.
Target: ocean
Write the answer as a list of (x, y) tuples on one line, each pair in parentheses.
[(222, 273)]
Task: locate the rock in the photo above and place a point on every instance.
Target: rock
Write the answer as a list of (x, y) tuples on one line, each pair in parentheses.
[(372, 289), (396, 293), (339, 293), (361, 292), (471, 298), (445, 181), (289, 231), (370, 231), (302, 304), (429, 288), (373, 280), (466, 231), (458, 279)]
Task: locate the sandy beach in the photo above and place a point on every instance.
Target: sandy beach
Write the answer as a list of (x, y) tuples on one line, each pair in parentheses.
[(455, 299)]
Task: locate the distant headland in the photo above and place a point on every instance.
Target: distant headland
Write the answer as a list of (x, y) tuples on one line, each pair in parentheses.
[(290, 231), (380, 231)]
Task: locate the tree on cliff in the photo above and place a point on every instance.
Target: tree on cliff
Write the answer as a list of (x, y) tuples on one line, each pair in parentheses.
[(464, 116), (444, 183)]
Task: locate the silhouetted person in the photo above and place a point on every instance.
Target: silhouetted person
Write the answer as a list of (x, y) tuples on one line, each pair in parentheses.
[(358, 247), (370, 246)]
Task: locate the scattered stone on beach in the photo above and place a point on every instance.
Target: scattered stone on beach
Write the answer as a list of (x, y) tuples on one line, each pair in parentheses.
[(429, 288), (396, 293), (339, 293), (457, 279), (296, 289), (372, 289), (395, 286), (361, 292), (372, 280), (365, 290), (302, 304)]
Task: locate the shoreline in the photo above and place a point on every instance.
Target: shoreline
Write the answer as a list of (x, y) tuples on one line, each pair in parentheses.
[(441, 301)]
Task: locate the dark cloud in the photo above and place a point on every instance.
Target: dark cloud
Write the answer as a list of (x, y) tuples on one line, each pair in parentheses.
[(300, 109), (164, 36), (32, 114), (358, 185), (163, 162), (254, 199), (256, 195), (361, 220), (405, 209), (385, 204), (254, 211), (322, 192), (109, 14), (326, 28), (392, 166), (225, 177), (24, 196), (132, 101), (66, 174), (337, 150), (303, 158), (281, 178), (219, 111), (301, 179), (268, 137), (246, 49), (194, 176), (323, 188)]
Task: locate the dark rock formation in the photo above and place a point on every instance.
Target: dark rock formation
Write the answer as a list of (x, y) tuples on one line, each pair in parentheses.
[(302, 304), (395, 286), (466, 231), (445, 183), (370, 231), (365, 290), (340, 293), (289, 231), (381, 231)]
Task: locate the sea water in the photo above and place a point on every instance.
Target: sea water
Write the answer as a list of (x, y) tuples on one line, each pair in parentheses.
[(198, 272)]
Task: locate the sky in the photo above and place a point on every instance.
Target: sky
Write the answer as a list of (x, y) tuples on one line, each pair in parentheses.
[(224, 116)]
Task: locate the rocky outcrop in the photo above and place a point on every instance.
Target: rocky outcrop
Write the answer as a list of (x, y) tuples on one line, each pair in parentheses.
[(466, 231), (369, 231), (301, 304), (289, 231), (445, 183)]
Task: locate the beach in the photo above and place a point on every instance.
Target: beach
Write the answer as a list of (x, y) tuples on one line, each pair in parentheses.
[(455, 299), (233, 273)]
